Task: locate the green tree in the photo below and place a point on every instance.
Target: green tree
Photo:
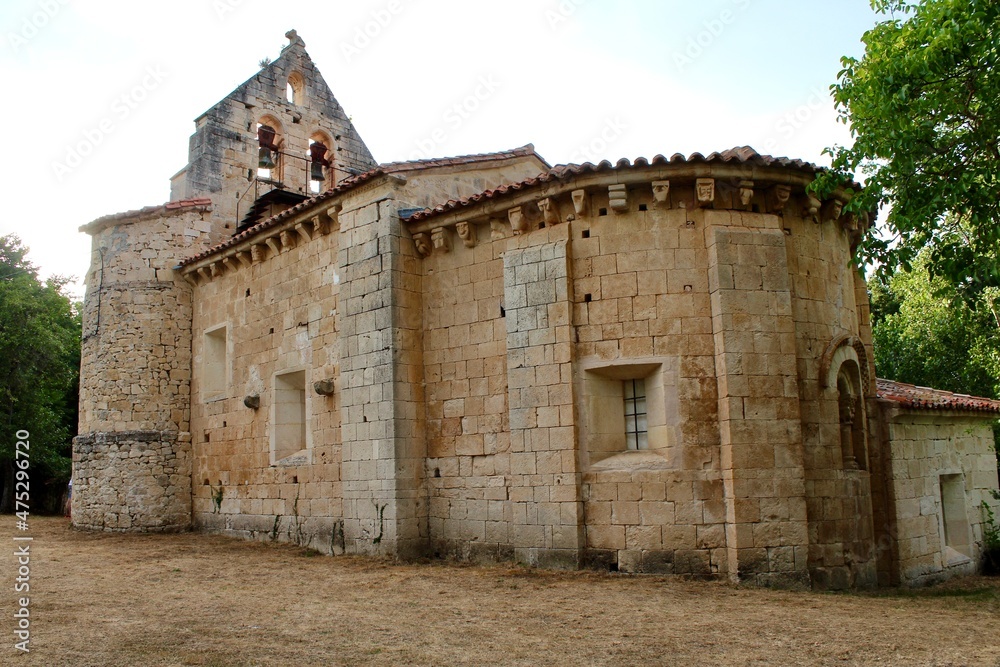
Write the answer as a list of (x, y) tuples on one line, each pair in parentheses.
[(927, 332), (39, 375), (923, 106)]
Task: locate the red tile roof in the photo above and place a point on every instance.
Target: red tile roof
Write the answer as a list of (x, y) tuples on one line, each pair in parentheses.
[(739, 155), (925, 398), (95, 225), (356, 180)]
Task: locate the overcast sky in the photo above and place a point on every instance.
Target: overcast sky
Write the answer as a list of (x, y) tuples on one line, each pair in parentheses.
[(102, 94)]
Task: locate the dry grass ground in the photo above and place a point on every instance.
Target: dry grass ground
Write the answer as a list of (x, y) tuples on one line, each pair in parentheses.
[(107, 599)]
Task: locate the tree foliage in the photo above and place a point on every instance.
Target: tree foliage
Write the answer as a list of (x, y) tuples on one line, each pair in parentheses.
[(923, 106), (926, 332), (39, 369)]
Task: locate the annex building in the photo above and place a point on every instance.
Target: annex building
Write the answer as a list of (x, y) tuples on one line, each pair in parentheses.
[(658, 366)]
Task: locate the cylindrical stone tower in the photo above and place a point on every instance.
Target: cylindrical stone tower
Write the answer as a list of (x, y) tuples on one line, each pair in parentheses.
[(132, 459)]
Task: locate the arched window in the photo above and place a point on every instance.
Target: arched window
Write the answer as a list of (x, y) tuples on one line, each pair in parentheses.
[(844, 367), (851, 410), (269, 141), (295, 89)]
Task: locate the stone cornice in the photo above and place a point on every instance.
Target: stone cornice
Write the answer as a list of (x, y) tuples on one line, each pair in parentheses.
[(202, 205), (684, 174)]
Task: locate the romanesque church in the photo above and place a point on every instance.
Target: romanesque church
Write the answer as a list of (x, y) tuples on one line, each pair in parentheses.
[(654, 366)]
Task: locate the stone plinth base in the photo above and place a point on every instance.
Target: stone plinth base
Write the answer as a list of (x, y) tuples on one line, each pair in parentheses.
[(132, 481)]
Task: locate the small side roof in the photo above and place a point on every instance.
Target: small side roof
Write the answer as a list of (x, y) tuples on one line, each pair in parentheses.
[(924, 398), (100, 223)]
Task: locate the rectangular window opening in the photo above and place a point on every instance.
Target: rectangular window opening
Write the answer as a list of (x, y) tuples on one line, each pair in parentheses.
[(289, 424), (215, 366), (954, 517), (636, 427)]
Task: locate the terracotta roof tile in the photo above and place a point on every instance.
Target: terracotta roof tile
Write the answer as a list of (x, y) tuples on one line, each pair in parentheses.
[(357, 179), (343, 186), (925, 398), (183, 203), (740, 155)]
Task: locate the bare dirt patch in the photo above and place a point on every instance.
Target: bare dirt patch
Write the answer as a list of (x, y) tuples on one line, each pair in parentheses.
[(191, 599)]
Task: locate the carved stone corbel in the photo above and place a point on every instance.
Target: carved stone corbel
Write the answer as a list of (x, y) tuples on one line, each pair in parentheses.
[(230, 263), (319, 225), (257, 253), (832, 210), (287, 240), (441, 239), (333, 213), (303, 232), (661, 194), (246, 258), (853, 224), (549, 210), (812, 208), (423, 244), (618, 198), (777, 198), (518, 223), (580, 206), (746, 193), (467, 233), (273, 244), (704, 189)]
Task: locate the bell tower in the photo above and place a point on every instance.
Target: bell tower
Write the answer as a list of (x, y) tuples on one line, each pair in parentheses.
[(278, 139)]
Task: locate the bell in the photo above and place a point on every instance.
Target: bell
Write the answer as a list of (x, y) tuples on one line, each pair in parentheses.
[(264, 159), (316, 171)]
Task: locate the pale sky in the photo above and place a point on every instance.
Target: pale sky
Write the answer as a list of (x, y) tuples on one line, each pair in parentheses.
[(102, 94)]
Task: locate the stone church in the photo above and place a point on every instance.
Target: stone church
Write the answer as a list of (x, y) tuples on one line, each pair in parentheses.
[(657, 366)]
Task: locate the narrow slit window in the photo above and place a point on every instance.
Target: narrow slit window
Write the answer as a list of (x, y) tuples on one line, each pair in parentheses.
[(636, 428)]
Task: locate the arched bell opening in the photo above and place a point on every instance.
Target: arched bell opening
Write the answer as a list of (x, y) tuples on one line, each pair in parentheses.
[(269, 141), (319, 155)]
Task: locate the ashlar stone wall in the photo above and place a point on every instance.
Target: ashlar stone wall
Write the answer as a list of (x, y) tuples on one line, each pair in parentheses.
[(682, 289), (275, 305), (467, 420), (943, 468), (642, 310)]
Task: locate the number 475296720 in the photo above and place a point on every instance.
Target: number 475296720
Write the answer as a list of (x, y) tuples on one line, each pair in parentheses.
[(21, 487)]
